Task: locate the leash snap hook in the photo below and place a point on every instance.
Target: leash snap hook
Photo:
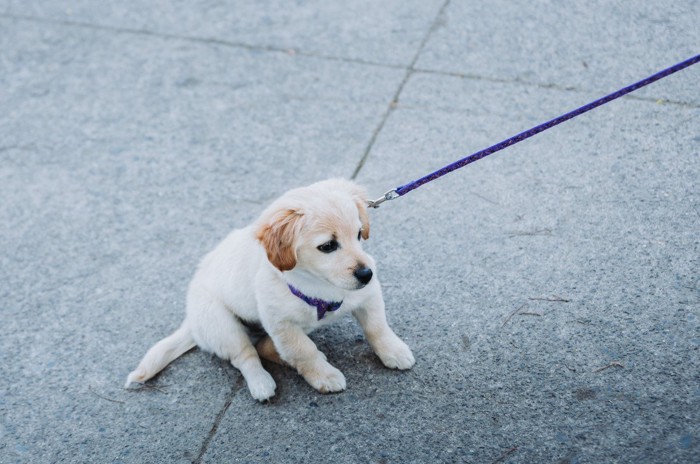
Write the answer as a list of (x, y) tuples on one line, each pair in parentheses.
[(390, 195)]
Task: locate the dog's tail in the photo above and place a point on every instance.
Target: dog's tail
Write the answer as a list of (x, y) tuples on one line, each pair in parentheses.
[(161, 354)]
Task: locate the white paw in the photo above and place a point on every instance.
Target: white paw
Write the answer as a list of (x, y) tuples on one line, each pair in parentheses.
[(325, 378), (262, 386), (396, 355)]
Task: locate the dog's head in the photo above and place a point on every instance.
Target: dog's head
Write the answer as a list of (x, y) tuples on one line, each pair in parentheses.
[(318, 230)]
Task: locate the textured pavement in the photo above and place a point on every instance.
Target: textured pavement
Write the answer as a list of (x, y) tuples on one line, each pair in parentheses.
[(550, 292)]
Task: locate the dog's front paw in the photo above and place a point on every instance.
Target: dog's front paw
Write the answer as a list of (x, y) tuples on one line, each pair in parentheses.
[(262, 386), (325, 378), (395, 354)]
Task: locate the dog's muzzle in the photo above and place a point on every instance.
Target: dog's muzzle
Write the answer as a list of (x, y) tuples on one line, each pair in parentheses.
[(363, 274)]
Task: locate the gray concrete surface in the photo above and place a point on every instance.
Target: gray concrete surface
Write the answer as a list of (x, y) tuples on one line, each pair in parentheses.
[(549, 293)]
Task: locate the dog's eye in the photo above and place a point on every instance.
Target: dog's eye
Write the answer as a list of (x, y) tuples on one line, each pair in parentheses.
[(328, 247), (359, 235)]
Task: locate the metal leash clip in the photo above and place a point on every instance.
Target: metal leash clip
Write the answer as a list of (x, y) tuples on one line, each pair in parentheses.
[(390, 195)]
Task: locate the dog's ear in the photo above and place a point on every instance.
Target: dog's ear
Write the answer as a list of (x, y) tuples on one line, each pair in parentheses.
[(359, 194), (364, 217), (278, 236)]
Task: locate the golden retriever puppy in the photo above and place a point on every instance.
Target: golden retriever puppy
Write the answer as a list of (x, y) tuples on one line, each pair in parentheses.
[(298, 267)]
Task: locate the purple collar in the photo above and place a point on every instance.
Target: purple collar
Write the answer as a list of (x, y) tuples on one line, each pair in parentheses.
[(322, 306)]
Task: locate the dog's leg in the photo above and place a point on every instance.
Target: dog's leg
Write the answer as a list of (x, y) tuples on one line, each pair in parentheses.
[(393, 352), (217, 330), (266, 350), (297, 349)]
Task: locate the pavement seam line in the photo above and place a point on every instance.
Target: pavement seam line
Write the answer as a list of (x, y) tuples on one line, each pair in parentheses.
[(217, 421), (293, 51), (201, 40), (392, 105), (546, 86)]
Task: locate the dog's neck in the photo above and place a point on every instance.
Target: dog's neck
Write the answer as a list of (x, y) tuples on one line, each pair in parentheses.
[(314, 292), (310, 285), (322, 306)]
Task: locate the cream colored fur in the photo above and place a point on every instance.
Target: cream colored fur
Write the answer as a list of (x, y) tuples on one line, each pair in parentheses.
[(245, 278)]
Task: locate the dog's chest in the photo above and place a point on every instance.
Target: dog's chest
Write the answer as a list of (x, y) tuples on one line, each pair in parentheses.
[(309, 320)]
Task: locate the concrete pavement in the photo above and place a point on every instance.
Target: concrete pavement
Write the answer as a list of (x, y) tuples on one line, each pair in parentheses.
[(549, 292)]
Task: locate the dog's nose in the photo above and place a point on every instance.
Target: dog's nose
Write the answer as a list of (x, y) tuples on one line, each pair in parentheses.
[(363, 274)]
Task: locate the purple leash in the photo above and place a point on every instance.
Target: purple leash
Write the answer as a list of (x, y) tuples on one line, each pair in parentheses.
[(404, 189)]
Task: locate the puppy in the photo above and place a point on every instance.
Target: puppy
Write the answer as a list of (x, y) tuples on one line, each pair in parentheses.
[(298, 267)]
